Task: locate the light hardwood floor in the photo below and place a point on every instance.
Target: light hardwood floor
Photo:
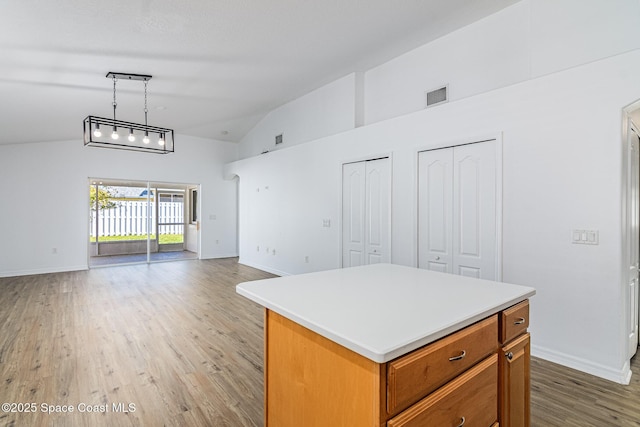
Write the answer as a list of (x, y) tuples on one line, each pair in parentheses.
[(178, 343)]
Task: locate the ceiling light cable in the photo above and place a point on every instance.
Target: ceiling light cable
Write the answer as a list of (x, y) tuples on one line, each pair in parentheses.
[(146, 133), (114, 134)]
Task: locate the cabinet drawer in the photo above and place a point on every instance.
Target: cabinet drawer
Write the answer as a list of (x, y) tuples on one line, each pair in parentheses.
[(514, 321), (413, 376), (471, 399)]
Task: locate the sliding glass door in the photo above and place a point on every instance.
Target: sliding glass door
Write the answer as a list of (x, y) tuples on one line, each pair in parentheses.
[(134, 222)]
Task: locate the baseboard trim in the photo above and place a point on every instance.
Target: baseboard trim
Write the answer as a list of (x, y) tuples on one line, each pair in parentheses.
[(45, 270), (219, 256), (622, 376), (264, 268)]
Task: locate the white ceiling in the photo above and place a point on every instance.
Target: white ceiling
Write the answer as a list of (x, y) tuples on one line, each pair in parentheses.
[(217, 65)]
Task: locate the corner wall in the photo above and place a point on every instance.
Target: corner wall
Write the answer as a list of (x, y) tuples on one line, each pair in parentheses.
[(45, 197), (328, 110)]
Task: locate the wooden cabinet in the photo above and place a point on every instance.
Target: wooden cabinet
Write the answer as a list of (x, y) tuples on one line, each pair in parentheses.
[(464, 378), (515, 383), (514, 321), (469, 400), (515, 361), (411, 377)]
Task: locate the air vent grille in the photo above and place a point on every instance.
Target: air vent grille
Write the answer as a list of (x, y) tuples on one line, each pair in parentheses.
[(437, 96)]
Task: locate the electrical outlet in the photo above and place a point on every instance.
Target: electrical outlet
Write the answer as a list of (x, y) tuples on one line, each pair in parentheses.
[(306, 259), (326, 223)]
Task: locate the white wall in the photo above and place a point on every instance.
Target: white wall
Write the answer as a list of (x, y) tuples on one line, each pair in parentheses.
[(486, 55), (562, 171), (328, 110), (530, 39), (45, 197), (566, 33), (527, 40)]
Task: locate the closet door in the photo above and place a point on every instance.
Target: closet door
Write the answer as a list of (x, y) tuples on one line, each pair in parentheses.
[(457, 210), (377, 202), (353, 205), (365, 218), (474, 210), (435, 210)]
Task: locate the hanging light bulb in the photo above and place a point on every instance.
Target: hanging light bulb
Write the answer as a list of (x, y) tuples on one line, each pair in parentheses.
[(114, 134), (161, 140), (132, 137), (97, 132), (146, 137)]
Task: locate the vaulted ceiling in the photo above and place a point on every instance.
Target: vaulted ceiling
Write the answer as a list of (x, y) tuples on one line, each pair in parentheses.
[(218, 66)]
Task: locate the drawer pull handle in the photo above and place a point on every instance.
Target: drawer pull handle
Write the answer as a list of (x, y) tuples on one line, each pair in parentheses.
[(509, 355), (461, 422), (519, 321), (461, 356)]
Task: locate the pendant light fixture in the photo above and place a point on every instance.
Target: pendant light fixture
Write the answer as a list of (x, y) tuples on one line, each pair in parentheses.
[(154, 139)]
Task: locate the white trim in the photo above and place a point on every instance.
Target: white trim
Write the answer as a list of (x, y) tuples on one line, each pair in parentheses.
[(220, 256), (622, 376), (366, 158), (43, 270), (264, 268), (627, 127)]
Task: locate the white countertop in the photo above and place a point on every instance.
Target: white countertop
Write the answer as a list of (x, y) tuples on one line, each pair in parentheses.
[(383, 311)]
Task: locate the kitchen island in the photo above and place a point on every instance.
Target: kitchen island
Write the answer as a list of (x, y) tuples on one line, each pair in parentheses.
[(388, 345)]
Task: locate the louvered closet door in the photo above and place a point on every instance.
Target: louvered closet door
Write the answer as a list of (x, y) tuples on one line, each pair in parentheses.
[(457, 210), (365, 218)]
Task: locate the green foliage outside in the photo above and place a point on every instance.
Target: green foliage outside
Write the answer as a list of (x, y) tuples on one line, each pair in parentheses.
[(164, 238), (104, 196)]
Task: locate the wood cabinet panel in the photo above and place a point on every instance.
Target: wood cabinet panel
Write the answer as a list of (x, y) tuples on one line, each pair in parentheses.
[(411, 377), (312, 381), (470, 399), (515, 383), (514, 321)]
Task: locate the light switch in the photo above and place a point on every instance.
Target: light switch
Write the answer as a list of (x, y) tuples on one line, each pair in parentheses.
[(585, 237), (576, 236)]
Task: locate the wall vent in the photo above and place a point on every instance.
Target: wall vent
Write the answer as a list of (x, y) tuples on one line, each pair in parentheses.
[(278, 139), (438, 96)]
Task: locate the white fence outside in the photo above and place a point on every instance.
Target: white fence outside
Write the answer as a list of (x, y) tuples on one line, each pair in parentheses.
[(131, 218)]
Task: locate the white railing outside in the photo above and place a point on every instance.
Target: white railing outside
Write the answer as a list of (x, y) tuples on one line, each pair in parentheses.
[(131, 218)]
